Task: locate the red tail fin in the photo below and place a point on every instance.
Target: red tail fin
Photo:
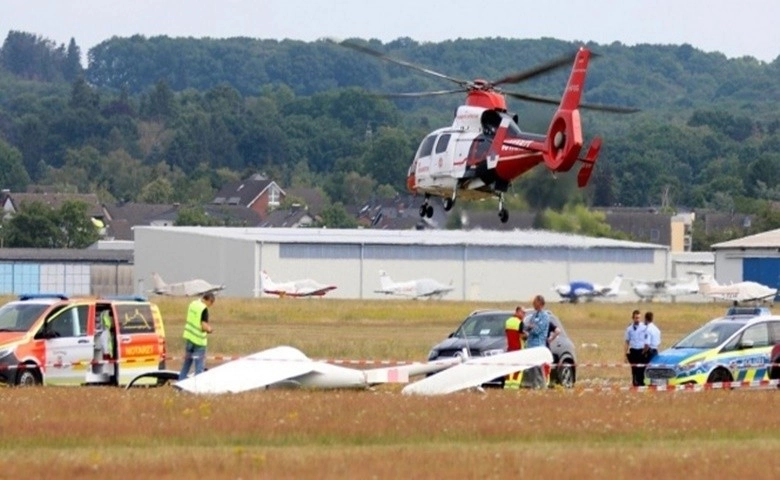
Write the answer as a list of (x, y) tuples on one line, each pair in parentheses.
[(564, 137)]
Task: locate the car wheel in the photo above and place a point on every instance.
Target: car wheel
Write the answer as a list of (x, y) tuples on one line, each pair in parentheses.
[(565, 375), (719, 375), (28, 376)]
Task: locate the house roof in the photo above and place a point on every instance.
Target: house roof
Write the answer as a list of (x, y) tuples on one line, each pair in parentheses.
[(313, 197), (232, 215), (769, 239), (66, 255), (284, 217), (55, 200), (122, 218), (243, 192)]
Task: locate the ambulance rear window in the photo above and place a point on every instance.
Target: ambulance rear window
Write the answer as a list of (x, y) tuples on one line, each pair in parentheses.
[(135, 318)]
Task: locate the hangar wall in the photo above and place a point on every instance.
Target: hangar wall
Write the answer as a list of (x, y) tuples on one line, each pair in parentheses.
[(477, 272), (179, 255)]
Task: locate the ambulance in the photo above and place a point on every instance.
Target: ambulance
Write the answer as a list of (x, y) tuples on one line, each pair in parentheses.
[(51, 339)]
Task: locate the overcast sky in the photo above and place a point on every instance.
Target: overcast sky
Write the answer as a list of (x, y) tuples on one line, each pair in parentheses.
[(736, 29)]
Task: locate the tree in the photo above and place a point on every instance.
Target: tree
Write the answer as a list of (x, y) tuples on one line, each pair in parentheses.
[(336, 216), (76, 226), (33, 226), (158, 190), (194, 216), (12, 173)]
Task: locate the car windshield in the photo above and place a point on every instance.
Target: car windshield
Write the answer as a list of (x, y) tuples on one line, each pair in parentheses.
[(19, 317), (710, 335), (492, 325)]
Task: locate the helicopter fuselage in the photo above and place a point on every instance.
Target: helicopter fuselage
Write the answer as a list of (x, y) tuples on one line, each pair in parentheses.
[(466, 159)]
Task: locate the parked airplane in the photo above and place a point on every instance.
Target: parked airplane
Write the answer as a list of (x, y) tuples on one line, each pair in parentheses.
[(577, 290), (189, 288), (288, 367), (296, 288), (739, 292), (650, 289), (424, 287)]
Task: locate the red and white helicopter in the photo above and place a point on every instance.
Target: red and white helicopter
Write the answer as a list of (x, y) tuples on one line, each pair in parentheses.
[(484, 149)]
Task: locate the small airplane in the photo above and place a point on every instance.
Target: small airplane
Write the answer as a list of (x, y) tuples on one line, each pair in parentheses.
[(578, 289), (296, 288), (739, 292), (650, 289), (189, 288), (288, 367), (484, 149), (423, 287)]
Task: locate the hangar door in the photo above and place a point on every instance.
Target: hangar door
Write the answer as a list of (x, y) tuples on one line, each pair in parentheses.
[(765, 271)]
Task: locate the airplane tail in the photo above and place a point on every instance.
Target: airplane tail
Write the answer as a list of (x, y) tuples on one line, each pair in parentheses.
[(564, 137), (265, 281), (615, 285), (159, 284), (385, 281)]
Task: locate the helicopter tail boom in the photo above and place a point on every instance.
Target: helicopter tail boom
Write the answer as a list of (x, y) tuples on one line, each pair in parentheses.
[(564, 137)]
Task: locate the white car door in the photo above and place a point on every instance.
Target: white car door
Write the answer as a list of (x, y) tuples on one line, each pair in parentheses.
[(69, 349)]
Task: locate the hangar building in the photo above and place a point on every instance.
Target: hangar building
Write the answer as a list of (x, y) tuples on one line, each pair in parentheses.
[(481, 265), (754, 258)]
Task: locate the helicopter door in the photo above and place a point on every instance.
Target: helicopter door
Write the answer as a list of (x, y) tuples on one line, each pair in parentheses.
[(441, 164), (424, 159)]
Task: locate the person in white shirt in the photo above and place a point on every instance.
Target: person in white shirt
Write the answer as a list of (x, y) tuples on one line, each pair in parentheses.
[(635, 344), (652, 338)]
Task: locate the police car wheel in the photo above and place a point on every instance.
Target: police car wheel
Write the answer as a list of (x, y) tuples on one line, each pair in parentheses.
[(719, 375), (27, 377)]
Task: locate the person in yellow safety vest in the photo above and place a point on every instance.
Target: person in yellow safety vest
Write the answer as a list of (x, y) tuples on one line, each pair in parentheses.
[(106, 339), (196, 329), (513, 327)]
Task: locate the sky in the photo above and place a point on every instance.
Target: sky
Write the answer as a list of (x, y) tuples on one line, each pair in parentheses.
[(736, 29)]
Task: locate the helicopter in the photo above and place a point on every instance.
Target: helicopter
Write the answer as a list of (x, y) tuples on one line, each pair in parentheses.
[(484, 149)]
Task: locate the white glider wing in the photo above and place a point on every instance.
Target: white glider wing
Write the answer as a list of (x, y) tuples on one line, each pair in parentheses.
[(476, 371), (258, 370)]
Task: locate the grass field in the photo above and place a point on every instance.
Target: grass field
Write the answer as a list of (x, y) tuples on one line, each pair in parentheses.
[(102, 432)]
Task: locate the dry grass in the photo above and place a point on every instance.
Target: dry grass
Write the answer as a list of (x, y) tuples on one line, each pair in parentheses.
[(162, 433)]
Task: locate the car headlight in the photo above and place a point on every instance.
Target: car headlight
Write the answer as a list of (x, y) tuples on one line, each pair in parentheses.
[(687, 367), (433, 354), (490, 353)]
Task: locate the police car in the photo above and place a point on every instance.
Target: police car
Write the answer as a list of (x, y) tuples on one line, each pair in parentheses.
[(52, 339), (735, 347)]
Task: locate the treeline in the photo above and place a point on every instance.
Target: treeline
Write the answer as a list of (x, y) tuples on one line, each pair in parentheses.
[(164, 120)]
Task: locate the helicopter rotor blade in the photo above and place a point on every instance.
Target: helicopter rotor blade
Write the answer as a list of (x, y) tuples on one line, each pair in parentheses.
[(423, 94), (583, 106), (518, 77), (382, 56)]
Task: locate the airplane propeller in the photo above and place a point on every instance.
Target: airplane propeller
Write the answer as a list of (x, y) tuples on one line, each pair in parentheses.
[(484, 85)]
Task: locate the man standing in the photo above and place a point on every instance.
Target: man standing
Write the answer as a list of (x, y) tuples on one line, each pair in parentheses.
[(538, 328), (652, 338), (196, 329), (635, 344), (513, 327)]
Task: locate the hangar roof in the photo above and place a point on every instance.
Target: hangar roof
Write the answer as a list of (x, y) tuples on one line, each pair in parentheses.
[(518, 238), (769, 239)]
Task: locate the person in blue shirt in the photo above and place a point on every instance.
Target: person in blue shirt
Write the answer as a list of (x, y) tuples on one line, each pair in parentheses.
[(538, 329)]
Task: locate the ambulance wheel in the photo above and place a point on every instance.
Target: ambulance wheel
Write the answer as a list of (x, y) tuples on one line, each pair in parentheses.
[(448, 204), (719, 375), (28, 377)]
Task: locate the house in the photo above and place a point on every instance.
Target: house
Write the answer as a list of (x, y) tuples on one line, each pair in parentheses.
[(122, 218), (13, 201), (256, 192)]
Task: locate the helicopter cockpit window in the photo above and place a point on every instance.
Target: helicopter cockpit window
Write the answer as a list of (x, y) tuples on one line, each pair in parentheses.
[(426, 147), (441, 145)]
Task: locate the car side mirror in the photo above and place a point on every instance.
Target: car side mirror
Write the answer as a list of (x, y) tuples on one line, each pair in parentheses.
[(746, 344), (451, 335)]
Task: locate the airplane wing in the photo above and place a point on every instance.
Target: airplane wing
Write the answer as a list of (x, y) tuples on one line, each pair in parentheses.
[(476, 371), (258, 370), (199, 287)]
